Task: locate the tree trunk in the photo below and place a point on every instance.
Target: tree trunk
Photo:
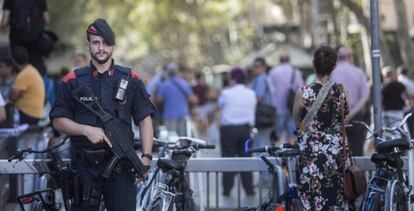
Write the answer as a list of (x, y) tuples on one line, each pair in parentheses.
[(362, 19), (333, 13), (403, 37)]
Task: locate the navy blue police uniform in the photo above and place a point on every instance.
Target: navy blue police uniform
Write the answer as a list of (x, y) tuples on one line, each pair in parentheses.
[(89, 160)]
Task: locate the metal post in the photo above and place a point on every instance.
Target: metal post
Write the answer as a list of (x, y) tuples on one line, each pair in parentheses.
[(376, 53)]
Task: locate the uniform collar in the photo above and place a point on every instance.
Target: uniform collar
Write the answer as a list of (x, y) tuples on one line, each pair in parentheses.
[(110, 72)]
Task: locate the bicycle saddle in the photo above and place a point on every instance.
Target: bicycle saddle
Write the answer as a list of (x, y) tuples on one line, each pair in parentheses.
[(388, 146), (378, 158), (169, 164), (391, 159)]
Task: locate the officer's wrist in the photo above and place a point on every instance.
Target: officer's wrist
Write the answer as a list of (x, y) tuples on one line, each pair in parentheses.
[(147, 155), (84, 129)]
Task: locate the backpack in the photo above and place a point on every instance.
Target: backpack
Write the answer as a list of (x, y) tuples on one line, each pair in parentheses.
[(27, 22)]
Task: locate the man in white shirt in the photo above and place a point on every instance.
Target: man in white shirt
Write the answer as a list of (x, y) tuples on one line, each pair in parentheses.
[(406, 81), (238, 105)]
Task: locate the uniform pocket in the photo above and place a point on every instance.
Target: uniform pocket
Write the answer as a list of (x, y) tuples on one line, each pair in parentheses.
[(94, 157)]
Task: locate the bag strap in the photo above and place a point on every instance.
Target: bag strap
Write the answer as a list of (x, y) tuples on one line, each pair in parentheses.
[(346, 151), (292, 77), (179, 87), (268, 90), (316, 105)]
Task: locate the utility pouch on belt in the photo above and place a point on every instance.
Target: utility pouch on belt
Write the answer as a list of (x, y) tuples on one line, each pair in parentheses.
[(91, 197), (94, 157)]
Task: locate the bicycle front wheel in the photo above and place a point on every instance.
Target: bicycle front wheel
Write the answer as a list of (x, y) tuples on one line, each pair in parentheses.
[(395, 199)]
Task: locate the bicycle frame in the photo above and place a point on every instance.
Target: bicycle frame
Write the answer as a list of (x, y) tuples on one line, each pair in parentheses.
[(378, 184), (283, 194)]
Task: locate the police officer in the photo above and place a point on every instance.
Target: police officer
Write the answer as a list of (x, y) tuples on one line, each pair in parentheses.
[(90, 146)]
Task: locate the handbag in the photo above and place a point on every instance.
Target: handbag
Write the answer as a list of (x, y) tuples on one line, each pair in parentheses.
[(355, 182), (265, 115)]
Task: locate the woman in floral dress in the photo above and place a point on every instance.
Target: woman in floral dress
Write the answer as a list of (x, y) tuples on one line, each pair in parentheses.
[(319, 168)]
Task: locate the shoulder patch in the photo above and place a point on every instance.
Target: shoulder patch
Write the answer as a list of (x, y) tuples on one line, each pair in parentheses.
[(69, 77), (135, 75)]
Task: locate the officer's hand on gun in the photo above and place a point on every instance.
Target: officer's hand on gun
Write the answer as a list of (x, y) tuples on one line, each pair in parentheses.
[(96, 135)]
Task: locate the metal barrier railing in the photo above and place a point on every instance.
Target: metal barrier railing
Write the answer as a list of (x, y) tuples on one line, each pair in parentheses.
[(206, 173), (14, 184)]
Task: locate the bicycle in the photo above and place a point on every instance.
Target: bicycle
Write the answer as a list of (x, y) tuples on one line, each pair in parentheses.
[(284, 194), (61, 176), (167, 187), (388, 189)]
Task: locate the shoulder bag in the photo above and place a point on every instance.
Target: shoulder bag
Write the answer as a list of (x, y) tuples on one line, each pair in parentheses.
[(265, 113), (355, 181)]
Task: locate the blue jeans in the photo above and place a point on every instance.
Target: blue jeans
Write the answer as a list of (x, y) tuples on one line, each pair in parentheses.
[(284, 122), (262, 137)]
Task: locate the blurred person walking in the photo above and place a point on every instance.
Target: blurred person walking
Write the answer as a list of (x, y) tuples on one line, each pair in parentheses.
[(261, 87), (284, 78), (202, 108), (320, 165), (237, 104), (394, 96), (409, 85), (28, 91), (176, 96), (7, 76), (357, 90), (406, 81), (27, 20)]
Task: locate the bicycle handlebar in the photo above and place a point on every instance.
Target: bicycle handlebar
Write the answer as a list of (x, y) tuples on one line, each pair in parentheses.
[(379, 132), (265, 149), (271, 149), (176, 140), (19, 153), (193, 140), (208, 146)]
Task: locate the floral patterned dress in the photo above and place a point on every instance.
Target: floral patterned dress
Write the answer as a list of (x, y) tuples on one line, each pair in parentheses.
[(319, 167)]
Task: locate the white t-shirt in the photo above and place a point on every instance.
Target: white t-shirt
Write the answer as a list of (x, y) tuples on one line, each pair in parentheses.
[(408, 83), (238, 105)]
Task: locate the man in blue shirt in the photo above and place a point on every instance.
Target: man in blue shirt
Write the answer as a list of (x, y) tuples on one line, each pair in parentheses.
[(261, 88), (176, 94)]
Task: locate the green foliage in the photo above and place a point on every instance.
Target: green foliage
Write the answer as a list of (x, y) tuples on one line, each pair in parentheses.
[(189, 31)]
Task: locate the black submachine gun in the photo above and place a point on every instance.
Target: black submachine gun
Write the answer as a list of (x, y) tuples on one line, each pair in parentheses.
[(122, 146)]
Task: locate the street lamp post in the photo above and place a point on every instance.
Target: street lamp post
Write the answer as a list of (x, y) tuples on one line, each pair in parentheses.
[(375, 54)]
